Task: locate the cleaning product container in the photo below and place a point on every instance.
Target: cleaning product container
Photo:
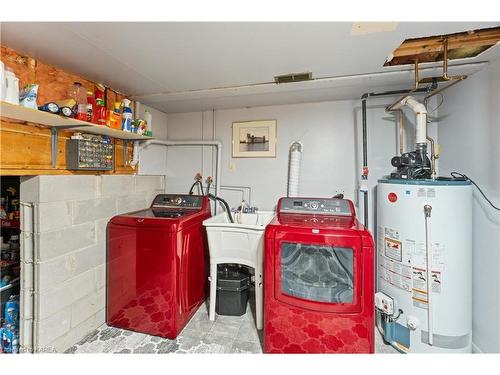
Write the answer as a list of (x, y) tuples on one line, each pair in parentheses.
[(232, 291), (11, 87), (3, 87)]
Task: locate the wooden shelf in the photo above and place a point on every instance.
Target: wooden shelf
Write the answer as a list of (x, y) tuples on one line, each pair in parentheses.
[(21, 113)]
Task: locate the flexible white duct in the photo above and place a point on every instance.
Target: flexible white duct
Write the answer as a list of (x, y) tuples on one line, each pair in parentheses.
[(294, 169)]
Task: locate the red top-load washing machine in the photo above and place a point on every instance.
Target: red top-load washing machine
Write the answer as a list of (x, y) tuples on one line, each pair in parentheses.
[(318, 279), (157, 263)]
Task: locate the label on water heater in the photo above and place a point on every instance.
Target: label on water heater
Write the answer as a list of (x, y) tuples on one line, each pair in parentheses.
[(393, 249)]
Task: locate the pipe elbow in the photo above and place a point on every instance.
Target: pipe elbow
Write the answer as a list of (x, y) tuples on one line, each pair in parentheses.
[(415, 105)]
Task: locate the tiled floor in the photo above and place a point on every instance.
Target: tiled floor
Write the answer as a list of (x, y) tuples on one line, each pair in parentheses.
[(228, 334)]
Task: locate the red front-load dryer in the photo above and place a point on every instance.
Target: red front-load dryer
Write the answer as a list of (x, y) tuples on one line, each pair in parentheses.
[(318, 279), (157, 262)]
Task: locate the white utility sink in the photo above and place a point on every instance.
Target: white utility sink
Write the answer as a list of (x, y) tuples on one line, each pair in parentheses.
[(241, 242)]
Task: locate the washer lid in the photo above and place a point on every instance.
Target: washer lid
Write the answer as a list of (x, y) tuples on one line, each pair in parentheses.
[(170, 220)]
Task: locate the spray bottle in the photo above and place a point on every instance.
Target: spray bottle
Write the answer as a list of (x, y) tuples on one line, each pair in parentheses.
[(126, 116)]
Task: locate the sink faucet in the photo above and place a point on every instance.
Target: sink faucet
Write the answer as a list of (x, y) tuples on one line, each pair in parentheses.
[(244, 208)]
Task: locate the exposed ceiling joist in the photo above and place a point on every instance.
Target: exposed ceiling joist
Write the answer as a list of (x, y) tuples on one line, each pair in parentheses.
[(430, 49)]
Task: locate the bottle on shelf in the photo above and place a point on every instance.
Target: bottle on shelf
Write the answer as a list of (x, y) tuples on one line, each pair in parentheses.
[(78, 93), (2, 81), (100, 107), (90, 106), (149, 123), (11, 87), (126, 116)]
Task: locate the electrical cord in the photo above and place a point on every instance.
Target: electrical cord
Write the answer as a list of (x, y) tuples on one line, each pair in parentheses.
[(454, 174), (439, 105)]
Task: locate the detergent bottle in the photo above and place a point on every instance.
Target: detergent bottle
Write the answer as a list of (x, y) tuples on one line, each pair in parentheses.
[(126, 116), (99, 115)]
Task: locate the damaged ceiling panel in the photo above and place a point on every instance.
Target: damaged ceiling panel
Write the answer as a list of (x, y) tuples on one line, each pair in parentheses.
[(431, 49)]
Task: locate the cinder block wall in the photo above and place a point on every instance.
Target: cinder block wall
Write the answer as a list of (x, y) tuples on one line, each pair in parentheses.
[(71, 213)]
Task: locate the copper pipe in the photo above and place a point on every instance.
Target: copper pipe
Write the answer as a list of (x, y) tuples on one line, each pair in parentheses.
[(416, 74), (455, 79), (401, 132), (445, 59), (433, 158), (391, 107)]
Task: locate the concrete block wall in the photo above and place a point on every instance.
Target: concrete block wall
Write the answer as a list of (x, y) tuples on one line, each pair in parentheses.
[(71, 213)]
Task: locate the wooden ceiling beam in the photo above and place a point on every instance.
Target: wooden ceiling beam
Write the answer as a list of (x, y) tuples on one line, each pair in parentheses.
[(422, 49)]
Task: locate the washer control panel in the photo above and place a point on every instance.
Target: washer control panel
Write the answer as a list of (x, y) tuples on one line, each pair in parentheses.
[(177, 200), (316, 206)]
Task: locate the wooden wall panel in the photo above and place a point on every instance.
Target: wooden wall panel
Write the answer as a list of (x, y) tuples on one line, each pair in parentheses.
[(26, 150), (25, 147), (53, 82)]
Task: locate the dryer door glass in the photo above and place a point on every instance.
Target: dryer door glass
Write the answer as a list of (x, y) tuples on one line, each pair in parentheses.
[(319, 273)]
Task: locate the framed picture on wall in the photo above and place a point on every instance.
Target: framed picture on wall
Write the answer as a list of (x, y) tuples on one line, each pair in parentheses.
[(254, 139)]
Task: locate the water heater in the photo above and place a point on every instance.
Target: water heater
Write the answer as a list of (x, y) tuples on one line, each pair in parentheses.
[(424, 264)]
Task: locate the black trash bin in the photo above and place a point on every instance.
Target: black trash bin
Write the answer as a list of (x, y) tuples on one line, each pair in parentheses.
[(232, 290)]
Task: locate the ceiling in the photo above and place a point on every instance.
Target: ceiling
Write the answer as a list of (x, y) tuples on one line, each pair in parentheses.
[(178, 67)]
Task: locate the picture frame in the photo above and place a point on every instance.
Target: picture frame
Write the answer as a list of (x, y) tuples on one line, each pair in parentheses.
[(254, 139)]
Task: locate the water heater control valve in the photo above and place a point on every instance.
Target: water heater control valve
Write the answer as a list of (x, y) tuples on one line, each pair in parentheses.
[(384, 303)]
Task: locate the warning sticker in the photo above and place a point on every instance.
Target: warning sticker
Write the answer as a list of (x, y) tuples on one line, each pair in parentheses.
[(393, 249), (419, 285), (419, 255), (426, 193), (431, 193), (391, 233), (419, 298), (395, 279), (395, 273)]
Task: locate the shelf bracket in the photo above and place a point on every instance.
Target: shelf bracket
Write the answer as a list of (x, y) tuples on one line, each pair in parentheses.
[(53, 146), (54, 134), (125, 144)]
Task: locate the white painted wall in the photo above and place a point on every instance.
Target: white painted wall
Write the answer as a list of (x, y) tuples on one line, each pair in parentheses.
[(155, 158), (469, 133), (331, 162)]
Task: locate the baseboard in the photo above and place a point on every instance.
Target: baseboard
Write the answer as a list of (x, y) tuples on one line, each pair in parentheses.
[(475, 349)]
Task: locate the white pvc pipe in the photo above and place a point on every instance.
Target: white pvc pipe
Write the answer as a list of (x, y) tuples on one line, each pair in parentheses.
[(421, 112), (216, 144), (294, 169), (135, 154)]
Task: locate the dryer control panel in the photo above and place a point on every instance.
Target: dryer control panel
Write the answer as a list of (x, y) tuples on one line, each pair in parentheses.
[(316, 206), (177, 201)]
